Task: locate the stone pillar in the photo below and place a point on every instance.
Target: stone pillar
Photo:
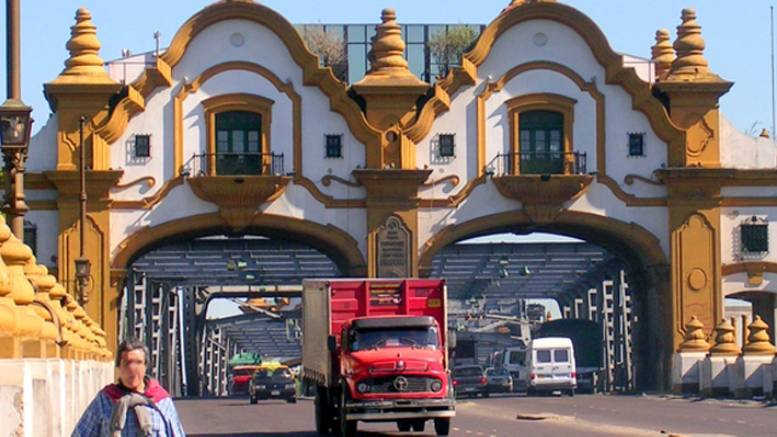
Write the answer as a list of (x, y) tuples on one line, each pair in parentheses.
[(720, 372), (692, 351), (757, 360)]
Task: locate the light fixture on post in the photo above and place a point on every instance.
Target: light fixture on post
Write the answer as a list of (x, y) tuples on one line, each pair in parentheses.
[(15, 124), (83, 270), (83, 265)]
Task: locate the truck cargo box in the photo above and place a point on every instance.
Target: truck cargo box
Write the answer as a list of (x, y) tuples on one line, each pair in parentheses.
[(328, 303)]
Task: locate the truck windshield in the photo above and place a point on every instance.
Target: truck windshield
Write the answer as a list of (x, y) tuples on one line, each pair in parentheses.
[(423, 337)]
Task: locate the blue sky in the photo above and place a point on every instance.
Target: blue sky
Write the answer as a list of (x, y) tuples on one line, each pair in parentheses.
[(737, 34)]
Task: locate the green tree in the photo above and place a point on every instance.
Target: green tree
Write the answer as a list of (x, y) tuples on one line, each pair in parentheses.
[(447, 46)]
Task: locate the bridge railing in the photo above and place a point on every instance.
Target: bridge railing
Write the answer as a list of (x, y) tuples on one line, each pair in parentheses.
[(53, 356)]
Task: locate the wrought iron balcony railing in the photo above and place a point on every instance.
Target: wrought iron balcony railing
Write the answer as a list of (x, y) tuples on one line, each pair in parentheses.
[(538, 163), (235, 164)]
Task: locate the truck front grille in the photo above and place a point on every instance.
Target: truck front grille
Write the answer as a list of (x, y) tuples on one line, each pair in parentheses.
[(389, 384)]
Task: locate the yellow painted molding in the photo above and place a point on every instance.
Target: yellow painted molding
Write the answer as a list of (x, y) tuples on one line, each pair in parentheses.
[(326, 200), (149, 180), (150, 201)]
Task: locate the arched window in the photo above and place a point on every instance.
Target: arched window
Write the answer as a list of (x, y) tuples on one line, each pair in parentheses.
[(238, 143), (238, 135), (541, 142), (541, 133)]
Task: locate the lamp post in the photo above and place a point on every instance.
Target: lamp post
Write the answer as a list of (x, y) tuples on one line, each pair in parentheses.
[(15, 126), (83, 266)]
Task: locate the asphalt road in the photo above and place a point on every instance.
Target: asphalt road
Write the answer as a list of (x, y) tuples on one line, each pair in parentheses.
[(585, 415)]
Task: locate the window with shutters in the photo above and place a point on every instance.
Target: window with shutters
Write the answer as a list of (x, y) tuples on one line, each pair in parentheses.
[(755, 235)]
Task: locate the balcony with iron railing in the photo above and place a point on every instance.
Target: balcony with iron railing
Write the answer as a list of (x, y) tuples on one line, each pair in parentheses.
[(235, 164), (237, 182), (542, 181), (539, 163)]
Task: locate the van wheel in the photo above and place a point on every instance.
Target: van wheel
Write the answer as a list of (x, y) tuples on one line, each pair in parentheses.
[(442, 426)]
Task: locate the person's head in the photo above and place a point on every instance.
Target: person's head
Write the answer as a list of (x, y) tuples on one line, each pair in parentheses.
[(131, 359)]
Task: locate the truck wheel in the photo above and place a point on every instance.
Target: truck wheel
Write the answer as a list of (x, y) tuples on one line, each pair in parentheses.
[(347, 427), (403, 425), (419, 425), (323, 421), (442, 426)]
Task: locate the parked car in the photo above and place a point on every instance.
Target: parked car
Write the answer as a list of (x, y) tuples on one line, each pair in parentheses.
[(498, 380), (273, 383), (551, 363), (470, 381)]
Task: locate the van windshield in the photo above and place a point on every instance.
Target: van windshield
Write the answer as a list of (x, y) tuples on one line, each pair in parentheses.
[(423, 337)]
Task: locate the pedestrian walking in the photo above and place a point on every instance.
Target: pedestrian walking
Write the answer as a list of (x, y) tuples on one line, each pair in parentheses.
[(134, 406)]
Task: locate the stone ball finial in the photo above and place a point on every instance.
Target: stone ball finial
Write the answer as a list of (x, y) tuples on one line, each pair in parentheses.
[(690, 47), (84, 47), (725, 339), (694, 340), (758, 340), (663, 53)]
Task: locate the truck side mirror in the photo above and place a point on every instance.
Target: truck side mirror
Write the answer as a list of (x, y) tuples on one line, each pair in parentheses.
[(331, 343), (451, 339)]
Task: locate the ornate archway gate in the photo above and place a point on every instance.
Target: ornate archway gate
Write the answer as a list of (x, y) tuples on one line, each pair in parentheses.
[(645, 164)]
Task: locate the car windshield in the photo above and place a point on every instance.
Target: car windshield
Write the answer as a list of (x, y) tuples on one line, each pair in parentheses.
[(468, 371), (423, 337)]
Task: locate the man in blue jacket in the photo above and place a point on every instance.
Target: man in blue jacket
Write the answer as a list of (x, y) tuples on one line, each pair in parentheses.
[(135, 406)]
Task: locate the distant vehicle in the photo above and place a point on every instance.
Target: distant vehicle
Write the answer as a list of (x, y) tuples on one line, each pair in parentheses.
[(586, 336), (513, 359), (241, 366), (470, 380), (241, 377), (498, 380), (551, 364), (272, 382)]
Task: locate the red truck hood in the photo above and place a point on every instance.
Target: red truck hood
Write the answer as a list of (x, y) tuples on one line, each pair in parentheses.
[(393, 360)]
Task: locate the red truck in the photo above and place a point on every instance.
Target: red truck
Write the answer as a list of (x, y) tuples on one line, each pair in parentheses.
[(377, 351)]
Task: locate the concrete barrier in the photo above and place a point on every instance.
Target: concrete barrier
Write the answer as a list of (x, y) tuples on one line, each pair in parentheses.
[(45, 397)]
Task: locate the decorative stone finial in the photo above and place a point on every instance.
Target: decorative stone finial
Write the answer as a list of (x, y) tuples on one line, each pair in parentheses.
[(663, 53), (37, 275), (725, 339), (690, 65), (758, 340), (695, 340), (7, 305), (388, 48), (84, 47), (15, 254), (764, 133)]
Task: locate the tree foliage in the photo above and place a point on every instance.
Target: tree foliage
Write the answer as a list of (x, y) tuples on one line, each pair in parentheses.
[(446, 47), (329, 47)]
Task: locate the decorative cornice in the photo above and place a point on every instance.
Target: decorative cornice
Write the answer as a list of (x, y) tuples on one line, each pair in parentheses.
[(327, 181), (150, 201), (149, 180)]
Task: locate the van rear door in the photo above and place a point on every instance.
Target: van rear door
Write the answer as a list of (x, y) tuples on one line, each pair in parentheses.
[(563, 365)]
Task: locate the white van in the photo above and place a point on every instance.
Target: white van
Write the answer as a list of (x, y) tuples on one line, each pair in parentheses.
[(514, 360), (551, 365)]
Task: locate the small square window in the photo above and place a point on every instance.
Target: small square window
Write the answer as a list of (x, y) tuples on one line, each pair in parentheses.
[(755, 236), (447, 146), (637, 144), (334, 146), (142, 146)]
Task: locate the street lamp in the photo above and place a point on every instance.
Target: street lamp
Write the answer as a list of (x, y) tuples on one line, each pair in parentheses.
[(83, 266)]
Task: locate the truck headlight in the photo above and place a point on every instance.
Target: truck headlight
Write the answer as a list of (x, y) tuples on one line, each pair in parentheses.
[(436, 386), (363, 387)]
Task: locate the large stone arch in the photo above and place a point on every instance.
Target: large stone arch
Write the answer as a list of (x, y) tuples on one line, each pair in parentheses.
[(638, 247), (330, 240)]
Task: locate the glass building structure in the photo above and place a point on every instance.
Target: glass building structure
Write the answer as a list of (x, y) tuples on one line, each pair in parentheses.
[(357, 39)]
